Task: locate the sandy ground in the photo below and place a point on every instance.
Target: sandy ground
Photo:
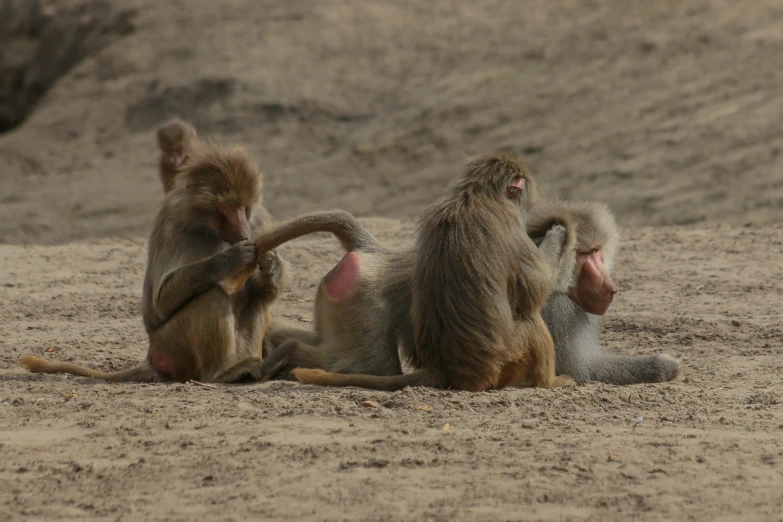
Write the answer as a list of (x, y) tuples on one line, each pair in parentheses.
[(708, 446), (669, 111)]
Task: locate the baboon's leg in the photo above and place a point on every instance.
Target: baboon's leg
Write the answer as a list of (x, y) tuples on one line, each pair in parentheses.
[(281, 331), (541, 350), (197, 343)]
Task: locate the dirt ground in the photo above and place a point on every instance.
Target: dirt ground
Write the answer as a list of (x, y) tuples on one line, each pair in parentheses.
[(708, 446), (668, 111)]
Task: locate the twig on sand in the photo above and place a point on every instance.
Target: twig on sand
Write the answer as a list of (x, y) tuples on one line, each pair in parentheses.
[(191, 381)]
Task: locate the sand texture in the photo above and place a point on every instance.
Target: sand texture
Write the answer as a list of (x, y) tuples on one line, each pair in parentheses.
[(708, 446)]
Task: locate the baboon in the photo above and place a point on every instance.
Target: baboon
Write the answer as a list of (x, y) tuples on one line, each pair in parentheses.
[(360, 334), (357, 326), (206, 291), (175, 140), (467, 316), (584, 291)]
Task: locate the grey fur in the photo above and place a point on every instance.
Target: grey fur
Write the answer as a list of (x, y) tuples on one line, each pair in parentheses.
[(579, 353), (576, 333)]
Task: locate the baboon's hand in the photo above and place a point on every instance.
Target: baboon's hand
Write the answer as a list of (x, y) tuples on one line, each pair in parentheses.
[(243, 256), (242, 262), (554, 242), (250, 370), (553, 246), (557, 235)]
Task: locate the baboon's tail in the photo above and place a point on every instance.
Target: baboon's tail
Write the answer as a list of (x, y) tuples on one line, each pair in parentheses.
[(618, 368), (344, 226), (141, 373), (373, 382)]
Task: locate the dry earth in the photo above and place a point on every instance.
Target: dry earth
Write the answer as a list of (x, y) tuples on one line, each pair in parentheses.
[(670, 111), (708, 446)]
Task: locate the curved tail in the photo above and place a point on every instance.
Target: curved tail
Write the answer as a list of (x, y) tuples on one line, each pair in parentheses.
[(141, 373), (373, 382), (352, 235)]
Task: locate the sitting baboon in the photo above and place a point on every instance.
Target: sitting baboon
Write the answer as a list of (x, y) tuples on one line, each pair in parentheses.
[(363, 306), (477, 287), (206, 291)]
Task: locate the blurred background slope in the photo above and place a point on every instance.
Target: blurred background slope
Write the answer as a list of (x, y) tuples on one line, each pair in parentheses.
[(670, 111)]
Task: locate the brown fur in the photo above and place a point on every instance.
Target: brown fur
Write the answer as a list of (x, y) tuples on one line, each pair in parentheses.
[(206, 291), (478, 284), (358, 334), (361, 336), (175, 138), (473, 256)]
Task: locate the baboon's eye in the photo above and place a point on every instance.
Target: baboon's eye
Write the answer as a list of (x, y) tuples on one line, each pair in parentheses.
[(588, 251)]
